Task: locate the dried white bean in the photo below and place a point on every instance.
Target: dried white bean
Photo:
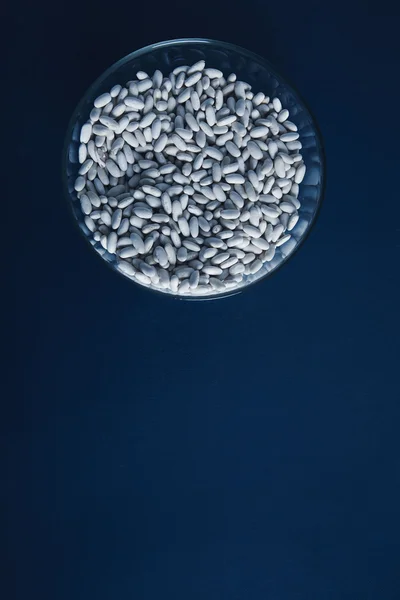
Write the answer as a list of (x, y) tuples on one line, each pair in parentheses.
[(187, 169), (102, 100)]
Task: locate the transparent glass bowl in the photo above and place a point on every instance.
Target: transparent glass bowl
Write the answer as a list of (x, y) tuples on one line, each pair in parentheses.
[(229, 59)]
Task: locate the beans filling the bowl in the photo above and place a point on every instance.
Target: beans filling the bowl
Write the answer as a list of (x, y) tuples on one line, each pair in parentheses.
[(191, 180)]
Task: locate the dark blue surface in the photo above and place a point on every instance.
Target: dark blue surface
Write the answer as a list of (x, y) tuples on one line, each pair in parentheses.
[(243, 449)]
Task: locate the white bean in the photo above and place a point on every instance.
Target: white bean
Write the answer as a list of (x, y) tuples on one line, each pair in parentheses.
[(102, 100), (187, 169)]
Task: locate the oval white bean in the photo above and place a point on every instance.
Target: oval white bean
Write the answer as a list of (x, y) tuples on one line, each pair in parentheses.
[(190, 179)]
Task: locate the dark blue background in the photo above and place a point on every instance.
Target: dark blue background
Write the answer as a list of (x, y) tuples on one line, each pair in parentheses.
[(244, 449)]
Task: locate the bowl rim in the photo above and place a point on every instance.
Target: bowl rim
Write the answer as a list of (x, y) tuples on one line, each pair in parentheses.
[(232, 47)]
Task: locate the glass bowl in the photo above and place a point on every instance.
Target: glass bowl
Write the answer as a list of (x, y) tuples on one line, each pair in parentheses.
[(249, 68)]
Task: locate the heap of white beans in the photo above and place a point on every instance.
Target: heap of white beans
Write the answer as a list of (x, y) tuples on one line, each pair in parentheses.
[(191, 180)]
